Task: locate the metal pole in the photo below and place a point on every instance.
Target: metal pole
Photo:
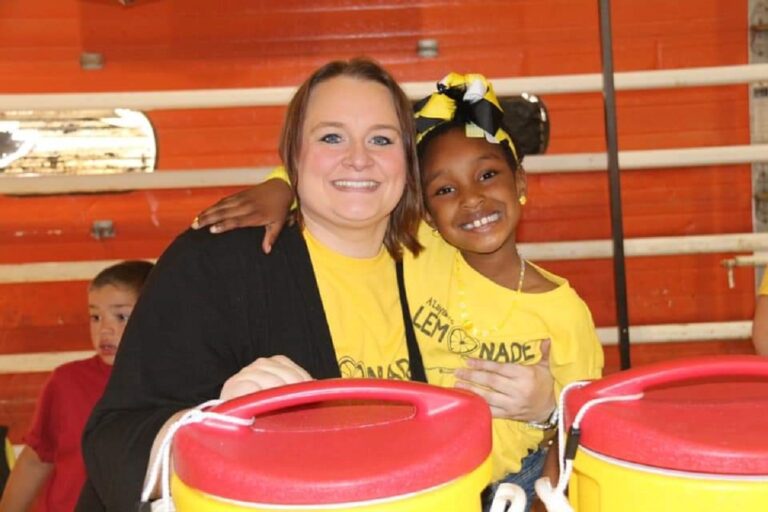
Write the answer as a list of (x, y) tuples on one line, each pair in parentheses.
[(617, 226)]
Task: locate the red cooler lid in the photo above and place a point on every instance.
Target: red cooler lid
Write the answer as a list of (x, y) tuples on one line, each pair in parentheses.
[(336, 441), (703, 415)]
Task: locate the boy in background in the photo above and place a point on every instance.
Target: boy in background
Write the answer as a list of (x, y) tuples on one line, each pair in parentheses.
[(51, 466)]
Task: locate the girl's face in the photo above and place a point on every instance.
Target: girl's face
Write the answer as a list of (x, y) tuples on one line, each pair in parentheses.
[(352, 166), (471, 193), (109, 307)]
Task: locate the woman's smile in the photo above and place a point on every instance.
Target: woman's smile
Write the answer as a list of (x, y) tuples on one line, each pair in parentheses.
[(356, 185)]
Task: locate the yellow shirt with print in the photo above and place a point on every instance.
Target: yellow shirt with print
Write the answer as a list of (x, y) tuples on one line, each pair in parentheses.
[(370, 340), (498, 324), (362, 307)]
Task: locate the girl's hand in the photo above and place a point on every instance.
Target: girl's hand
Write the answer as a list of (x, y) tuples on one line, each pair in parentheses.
[(513, 391), (264, 373), (266, 204)]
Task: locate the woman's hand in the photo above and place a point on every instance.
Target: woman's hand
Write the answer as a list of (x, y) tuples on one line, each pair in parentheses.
[(513, 391), (266, 204), (264, 373)]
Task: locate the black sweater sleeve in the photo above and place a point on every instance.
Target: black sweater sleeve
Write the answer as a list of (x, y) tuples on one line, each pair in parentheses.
[(212, 305), (192, 328)]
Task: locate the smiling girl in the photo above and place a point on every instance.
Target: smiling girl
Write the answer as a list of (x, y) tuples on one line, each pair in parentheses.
[(504, 308)]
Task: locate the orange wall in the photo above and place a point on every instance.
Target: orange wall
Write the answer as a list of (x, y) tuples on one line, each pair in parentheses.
[(172, 44)]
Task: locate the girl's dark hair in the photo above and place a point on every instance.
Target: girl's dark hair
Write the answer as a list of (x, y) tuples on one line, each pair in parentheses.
[(131, 274), (404, 220), (459, 123)]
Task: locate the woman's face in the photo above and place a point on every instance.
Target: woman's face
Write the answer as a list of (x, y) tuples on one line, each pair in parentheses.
[(352, 166)]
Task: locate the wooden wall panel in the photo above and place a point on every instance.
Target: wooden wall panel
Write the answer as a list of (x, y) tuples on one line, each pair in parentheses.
[(670, 289), (18, 393), (58, 227), (659, 202), (170, 44), (197, 43), (211, 138), (654, 119)]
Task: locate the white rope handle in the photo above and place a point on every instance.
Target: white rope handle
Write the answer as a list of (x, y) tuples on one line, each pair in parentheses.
[(509, 494), (553, 501), (163, 459), (554, 498)]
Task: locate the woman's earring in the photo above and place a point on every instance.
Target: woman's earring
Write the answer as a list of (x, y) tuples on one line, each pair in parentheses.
[(522, 200), (435, 233)]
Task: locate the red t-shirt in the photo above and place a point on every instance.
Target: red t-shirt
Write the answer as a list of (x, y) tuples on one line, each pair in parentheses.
[(62, 411)]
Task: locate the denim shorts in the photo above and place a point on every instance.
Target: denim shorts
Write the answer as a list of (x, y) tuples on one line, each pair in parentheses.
[(530, 471)]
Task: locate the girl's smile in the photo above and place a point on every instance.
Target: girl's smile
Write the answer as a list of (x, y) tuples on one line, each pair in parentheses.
[(482, 222)]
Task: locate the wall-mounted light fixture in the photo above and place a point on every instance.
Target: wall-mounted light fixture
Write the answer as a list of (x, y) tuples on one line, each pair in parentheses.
[(76, 142)]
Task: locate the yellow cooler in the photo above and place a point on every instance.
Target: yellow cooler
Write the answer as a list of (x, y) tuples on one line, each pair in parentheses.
[(359, 445), (696, 438)]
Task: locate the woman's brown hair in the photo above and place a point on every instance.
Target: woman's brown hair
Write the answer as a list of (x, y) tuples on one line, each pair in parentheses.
[(405, 218)]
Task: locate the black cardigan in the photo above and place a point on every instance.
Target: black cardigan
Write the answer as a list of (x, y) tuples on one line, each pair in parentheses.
[(212, 305)]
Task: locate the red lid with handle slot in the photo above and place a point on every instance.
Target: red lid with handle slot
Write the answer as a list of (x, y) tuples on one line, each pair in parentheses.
[(335, 441), (702, 415)]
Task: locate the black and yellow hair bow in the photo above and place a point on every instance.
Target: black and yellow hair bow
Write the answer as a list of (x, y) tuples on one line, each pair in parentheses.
[(469, 98)]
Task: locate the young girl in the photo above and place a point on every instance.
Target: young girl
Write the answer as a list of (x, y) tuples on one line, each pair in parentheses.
[(50, 465), (488, 302), (479, 310)]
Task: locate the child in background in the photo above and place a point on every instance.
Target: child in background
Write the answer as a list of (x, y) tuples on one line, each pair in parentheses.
[(50, 466), (477, 307)]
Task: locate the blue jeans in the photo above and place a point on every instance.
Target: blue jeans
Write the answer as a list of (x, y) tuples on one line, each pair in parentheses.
[(529, 472)]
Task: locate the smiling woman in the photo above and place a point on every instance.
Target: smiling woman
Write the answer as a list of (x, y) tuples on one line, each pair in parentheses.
[(352, 166), (359, 120), (327, 294)]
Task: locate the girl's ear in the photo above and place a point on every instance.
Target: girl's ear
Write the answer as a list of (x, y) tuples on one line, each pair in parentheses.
[(521, 183), (428, 219)]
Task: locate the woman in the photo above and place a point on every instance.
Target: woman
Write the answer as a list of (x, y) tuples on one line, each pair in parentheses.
[(219, 319)]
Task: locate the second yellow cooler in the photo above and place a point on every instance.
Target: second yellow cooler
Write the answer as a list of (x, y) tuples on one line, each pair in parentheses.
[(696, 438)]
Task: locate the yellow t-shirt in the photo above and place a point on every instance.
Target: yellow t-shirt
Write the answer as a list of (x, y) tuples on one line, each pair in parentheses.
[(763, 290), (458, 313), (506, 334), (362, 306)]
